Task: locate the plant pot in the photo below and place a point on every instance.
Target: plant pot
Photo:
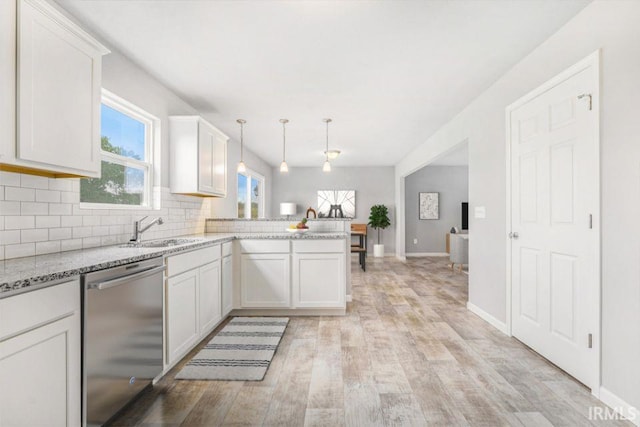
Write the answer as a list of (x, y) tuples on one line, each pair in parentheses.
[(378, 251)]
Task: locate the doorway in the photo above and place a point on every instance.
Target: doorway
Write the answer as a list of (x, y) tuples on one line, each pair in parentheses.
[(553, 277)]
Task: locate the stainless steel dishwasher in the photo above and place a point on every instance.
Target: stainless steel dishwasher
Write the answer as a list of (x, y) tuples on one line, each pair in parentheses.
[(122, 336)]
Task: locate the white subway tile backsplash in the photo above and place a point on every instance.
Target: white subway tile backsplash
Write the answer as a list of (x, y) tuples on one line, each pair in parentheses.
[(9, 208), (20, 250), (62, 233), (9, 237), (68, 197), (33, 181), (70, 221), (19, 222), (70, 245), (34, 208), (61, 184), (19, 194), (60, 209), (47, 247), (90, 220), (80, 232), (52, 206), (34, 235), (48, 196), (8, 178), (46, 221)]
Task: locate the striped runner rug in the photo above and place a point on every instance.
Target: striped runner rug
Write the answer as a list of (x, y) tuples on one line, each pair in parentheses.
[(241, 351)]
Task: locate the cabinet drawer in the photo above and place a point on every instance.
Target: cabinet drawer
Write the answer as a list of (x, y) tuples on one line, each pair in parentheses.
[(319, 246), (227, 248), (264, 246), (177, 264), (25, 311)]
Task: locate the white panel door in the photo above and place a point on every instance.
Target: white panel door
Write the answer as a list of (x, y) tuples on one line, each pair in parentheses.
[(318, 280), (227, 285), (265, 280), (554, 208), (209, 297), (182, 314), (40, 376), (58, 92)]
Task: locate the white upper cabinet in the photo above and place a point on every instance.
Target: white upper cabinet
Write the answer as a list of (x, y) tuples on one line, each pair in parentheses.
[(198, 162), (57, 80)]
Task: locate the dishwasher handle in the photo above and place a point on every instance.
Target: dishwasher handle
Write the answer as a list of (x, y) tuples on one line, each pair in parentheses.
[(124, 279)]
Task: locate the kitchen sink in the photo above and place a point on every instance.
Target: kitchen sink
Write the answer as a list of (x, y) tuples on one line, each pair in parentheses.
[(166, 243)]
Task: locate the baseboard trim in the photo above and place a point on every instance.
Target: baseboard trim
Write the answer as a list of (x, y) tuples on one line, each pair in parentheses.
[(626, 411), (423, 254), (501, 326)]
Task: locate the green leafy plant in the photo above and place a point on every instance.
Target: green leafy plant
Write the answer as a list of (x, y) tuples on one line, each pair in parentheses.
[(379, 218)]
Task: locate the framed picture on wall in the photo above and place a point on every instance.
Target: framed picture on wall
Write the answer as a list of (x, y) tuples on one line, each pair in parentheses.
[(429, 205)]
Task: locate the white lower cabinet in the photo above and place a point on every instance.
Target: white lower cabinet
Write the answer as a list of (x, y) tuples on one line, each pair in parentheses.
[(182, 314), (318, 280), (227, 285), (193, 306), (40, 357), (210, 306), (265, 280)]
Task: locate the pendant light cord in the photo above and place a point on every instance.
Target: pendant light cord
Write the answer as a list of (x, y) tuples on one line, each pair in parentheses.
[(284, 141), (242, 142), (327, 150)]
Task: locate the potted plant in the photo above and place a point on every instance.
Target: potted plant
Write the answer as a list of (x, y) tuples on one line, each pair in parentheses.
[(379, 220)]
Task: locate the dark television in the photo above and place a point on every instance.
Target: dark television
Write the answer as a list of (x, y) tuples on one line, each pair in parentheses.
[(465, 215)]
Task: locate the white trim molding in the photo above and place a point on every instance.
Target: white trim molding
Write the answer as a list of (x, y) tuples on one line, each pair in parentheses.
[(424, 254), (621, 407), (501, 326)]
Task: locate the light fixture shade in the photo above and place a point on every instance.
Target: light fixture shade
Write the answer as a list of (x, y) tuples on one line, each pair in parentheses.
[(283, 167), (332, 154), (326, 167), (242, 167), (288, 208)]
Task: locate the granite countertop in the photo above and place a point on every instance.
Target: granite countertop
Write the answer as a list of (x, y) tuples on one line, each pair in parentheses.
[(16, 275)]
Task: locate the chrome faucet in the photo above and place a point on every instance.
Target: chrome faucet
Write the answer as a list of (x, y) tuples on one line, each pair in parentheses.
[(137, 231)]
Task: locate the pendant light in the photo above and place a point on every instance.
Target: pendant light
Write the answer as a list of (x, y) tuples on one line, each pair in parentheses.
[(241, 166), (327, 166), (283, 166)]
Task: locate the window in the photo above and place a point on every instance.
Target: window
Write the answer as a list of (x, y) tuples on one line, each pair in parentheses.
[(126, 145), (250, 195)]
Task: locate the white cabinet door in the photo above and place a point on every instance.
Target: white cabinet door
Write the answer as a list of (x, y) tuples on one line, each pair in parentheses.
[(59, 80), (182, 314), (206, 153), (265, 280), (220, 166), (319, 280), (209, 297), (198, 157), (40, 375), (227, 285)]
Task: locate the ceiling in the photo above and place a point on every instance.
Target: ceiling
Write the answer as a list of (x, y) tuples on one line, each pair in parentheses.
[(389, 73)]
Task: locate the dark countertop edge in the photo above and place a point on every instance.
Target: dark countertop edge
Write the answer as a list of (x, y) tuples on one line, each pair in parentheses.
[(8, 289)]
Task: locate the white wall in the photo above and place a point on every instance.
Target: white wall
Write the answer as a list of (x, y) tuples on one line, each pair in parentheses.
[(611, 25), (373, 186)]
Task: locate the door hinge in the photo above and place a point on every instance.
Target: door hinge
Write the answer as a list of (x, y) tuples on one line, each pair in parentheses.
[(590, 221), (584, 95), (590, 340)]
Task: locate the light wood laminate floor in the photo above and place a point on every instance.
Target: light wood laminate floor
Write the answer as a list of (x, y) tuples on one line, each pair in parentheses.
[(408, 353)]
